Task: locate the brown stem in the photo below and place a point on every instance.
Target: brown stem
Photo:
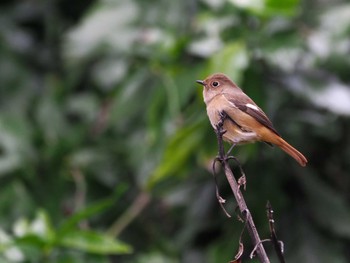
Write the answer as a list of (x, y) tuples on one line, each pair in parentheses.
[(245, 211)]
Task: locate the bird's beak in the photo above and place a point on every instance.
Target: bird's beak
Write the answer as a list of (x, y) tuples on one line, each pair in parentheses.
[(200, 82)]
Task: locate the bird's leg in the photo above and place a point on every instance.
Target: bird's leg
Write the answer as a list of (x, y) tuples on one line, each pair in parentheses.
[(229, 150), (220, 131)]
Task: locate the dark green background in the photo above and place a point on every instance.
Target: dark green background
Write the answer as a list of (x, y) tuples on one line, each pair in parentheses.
[(106, 149)]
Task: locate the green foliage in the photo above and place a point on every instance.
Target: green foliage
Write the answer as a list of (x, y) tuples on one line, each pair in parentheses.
[(231, 60), (93, 242), (99, 108), (269, 8), (38, 239)]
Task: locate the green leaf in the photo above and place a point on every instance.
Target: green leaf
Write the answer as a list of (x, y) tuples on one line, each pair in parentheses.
[(38, 233), (285, 7), (268, 7), (93, 242), (115, 18), (177, 153), (39, 229), (86, 213), (231, 60)]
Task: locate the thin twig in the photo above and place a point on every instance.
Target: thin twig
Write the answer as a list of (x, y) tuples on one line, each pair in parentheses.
[(256, 247), (278, 245), (238, 195), (131, 213), (239, 254), (218, 196)]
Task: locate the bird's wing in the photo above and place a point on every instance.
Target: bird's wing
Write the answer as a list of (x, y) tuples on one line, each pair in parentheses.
[(247, 105)]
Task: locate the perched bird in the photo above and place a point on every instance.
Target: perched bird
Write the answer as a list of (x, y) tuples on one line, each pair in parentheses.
[(245, 121)]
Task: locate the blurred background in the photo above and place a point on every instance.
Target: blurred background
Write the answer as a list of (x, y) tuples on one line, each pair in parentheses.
[(106, 149)]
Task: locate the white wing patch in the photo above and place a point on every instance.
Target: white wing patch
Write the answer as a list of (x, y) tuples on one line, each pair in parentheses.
[(252, 106)]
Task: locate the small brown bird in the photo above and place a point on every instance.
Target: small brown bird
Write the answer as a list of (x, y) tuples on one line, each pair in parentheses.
[(245, 122)]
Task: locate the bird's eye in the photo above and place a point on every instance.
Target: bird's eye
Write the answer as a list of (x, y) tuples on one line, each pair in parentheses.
[(215, 84)]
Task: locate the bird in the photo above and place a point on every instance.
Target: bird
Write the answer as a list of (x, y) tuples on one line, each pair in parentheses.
[(245, 122)]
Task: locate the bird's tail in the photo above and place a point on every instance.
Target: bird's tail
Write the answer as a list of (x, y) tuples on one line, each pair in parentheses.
[(289, 149)]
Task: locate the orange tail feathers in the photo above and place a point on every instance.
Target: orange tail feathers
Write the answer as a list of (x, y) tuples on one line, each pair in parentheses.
[(289, 149)]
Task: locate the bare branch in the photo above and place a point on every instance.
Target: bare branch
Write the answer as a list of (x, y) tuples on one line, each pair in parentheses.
[(235, 187), (278, 245)]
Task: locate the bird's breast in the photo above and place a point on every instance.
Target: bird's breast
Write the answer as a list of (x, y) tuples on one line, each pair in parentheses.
[(236, 131)]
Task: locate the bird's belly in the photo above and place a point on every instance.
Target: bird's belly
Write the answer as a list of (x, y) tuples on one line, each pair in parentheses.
[(234, 133), (238, 135)]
